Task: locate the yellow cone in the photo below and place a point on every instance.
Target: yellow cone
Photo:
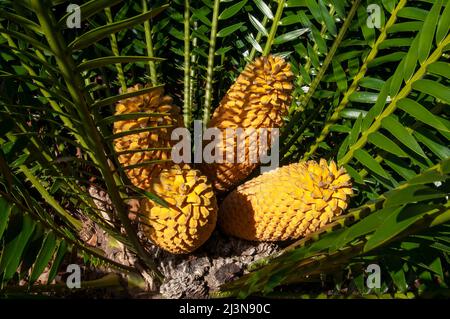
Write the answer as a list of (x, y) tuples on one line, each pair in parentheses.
[(259, 98), (134, 148), (287, 203), (192, 215)]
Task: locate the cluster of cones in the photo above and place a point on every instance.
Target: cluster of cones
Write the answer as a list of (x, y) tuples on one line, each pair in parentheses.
[(286, 203)]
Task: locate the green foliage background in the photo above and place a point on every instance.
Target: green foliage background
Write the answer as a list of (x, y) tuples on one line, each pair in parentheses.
[(374, 99)]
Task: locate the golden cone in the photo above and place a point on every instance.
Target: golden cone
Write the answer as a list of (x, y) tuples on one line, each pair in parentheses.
[(192, 215), (259, 98), (287, 203), (136, 146)]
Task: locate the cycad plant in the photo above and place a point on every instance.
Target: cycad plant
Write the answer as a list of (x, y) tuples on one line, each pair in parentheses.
[(370, 92)]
